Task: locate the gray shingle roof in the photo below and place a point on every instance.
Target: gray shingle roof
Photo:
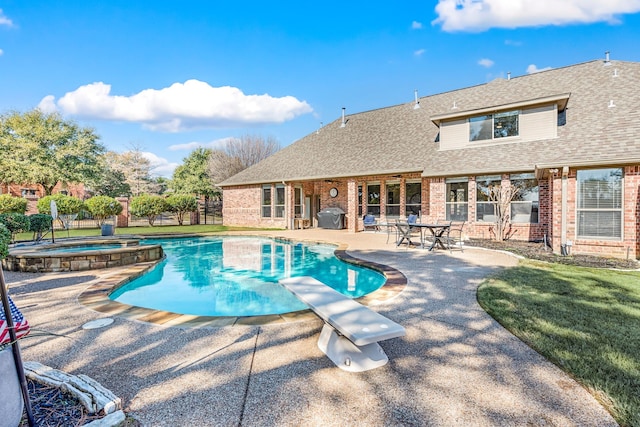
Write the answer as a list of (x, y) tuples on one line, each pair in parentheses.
[(401, 139)]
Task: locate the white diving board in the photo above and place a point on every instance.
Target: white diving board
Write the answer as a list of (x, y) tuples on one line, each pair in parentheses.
[(351, 332)]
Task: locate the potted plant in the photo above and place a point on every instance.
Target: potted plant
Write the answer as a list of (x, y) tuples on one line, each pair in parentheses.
[(102, 208)]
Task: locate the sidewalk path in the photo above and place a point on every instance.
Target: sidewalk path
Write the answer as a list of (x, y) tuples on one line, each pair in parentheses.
[(456, 366)]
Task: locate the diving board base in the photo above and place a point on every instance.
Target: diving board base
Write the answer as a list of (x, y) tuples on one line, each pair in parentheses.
[(348, 356)]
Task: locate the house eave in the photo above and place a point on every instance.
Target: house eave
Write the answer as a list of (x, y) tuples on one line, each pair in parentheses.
[(561, 100), (543, 170), (320, 177)]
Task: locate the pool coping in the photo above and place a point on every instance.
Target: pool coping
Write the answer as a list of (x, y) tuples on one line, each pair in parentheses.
[(96, 295), (43, 258)]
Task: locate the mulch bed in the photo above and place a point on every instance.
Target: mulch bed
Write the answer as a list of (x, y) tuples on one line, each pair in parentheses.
[(533, 250), (51, 407)]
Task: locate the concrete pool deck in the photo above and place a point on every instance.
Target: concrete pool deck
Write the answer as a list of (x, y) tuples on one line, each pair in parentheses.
[(455, 366)]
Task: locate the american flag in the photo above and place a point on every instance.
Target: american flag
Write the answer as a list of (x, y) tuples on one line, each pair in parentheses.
[(20, 324)]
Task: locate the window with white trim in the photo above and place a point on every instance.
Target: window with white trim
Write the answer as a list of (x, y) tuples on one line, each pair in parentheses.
[(373, 199), (457, 199), (486, 209), (392, 206), (413, 198), (297, 202), (280, 201), (600, 204), (494, 126), (525, 204), (266, 201)]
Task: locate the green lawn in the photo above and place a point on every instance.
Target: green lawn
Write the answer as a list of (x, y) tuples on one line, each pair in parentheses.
[(159, 229), (586, 321)]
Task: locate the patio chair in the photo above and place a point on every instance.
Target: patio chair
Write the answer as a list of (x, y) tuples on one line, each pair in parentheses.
[(454, 236), (370, 223)]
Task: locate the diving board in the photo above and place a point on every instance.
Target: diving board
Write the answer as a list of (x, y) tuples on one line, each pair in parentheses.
[(351, 332)]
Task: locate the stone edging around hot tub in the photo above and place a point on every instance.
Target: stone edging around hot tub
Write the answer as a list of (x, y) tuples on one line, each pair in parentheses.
[(96, 296), (34, 259)]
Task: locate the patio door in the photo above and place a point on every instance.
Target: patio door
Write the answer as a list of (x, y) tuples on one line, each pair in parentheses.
[(314, 210), (307, 208)]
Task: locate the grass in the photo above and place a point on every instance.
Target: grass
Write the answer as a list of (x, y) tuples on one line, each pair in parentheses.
[(159, 229), (585, 320)]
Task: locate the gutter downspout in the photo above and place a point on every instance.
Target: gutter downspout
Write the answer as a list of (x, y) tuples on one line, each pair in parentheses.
[(564, 207)]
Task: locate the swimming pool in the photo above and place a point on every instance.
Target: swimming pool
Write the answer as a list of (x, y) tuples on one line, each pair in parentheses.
[(237, 276)]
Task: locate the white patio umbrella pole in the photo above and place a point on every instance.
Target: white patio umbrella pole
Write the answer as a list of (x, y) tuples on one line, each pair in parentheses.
[(17, 358)]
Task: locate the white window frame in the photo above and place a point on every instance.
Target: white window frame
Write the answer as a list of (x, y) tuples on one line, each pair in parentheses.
[(581, 211), (451, 206), (279, 205), (266, 207)]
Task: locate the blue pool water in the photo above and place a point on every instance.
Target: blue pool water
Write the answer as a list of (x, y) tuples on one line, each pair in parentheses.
[(237, 276)]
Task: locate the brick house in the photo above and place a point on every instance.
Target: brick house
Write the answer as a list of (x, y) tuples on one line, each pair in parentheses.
[(34, 192), (569, 137)]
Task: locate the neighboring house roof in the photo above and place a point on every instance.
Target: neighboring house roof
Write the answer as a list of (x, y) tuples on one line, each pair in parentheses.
[(402, 139)]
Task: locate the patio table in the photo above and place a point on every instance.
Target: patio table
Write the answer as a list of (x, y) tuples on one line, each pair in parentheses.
[(438, 232)]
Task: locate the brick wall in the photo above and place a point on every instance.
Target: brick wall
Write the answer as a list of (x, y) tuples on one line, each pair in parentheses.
[(628, 246), (242, 207)]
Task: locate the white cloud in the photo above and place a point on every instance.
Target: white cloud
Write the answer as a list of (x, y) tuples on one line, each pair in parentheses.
[(533, 69), (419, 52), (480, 15), (415, 25), (159, 165), (181, 106), (1, 52), (4, 20), (190, 146), (485, 62)]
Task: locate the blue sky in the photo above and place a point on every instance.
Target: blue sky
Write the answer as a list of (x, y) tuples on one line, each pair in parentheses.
[(169, 76)]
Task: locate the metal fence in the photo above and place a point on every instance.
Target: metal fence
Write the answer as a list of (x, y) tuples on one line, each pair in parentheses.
[(209, 212)]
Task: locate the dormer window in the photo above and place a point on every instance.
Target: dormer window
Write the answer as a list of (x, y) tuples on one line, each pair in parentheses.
[(493, 126)]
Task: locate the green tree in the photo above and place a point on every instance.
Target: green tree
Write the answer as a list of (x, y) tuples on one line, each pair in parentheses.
[(40, 148), (66, 205), (182, 204), (38, 223), (15, 223), (8, 203), (192, 176), (150, 206), (103, 207)]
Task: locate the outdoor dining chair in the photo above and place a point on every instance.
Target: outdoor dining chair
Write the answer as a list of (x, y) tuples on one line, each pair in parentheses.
[(370, 223), (454, 235)]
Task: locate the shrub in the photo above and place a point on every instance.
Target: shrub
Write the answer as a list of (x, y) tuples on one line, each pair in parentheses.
[(39, 223), (148, 206), (5, 239), (182, 204), (103, 207), (66, 204), (8, 203), (15, 223)]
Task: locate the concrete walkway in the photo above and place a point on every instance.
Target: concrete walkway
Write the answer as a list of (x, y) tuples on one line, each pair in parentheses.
[(456, 366)]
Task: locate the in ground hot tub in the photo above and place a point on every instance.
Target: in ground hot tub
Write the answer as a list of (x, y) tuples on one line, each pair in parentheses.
[(79, 255)]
